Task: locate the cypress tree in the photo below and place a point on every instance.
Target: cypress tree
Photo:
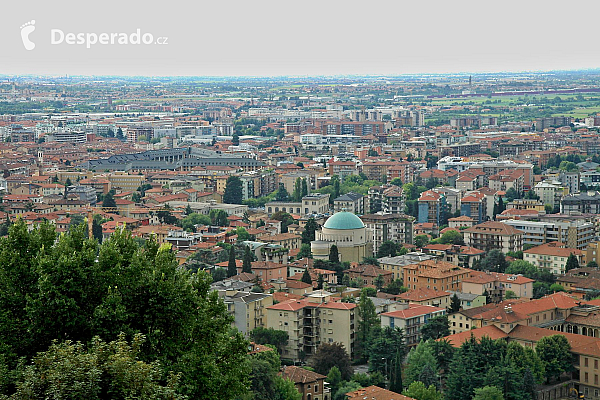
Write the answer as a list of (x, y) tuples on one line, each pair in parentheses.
[(247, 264), (231, 266), (306, 277)]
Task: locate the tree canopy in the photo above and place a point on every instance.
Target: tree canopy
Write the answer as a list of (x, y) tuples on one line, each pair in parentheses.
[(56, 291)]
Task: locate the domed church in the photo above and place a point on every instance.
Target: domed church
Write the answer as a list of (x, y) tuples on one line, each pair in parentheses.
[(347, 231)]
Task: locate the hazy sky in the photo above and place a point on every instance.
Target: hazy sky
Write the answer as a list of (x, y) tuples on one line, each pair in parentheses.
[(309, 37)]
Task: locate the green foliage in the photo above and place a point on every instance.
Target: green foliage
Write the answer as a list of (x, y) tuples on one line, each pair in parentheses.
[(109, 201), (488, 393), (572, 262), (452, 237), (509, 294), (554, 352), (367, 321), (334, 377), (282, 194), (525, 358), (390, 249), (274, 337), (308, 235), (74, 289), (231, 263), (329, 355), (306, 277), (386, 344), (305, 251), (417, 390), (247, 261), (334, 256), (113, 370), (421, 240), (395, 287), (418, 358), (346, 387), (191, 220), (218, 217), (592, 264), (454, 303), (555, 287), (436, 328), (494, 261), (530, 271), (233, 191)]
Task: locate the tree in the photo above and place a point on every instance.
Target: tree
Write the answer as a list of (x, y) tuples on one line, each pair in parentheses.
[(454, 303), (330, 355), (231, 263), (572, 262), (418, 358), (509, 294), (274, 337), (452, 237), (191, 220), (417, 390), (421, 241), (525, 359), (334, 378), (247, 261), (334, 256), (385, 343), (297, 193), (308, 235), (218, 217), (235, 140), (529, 392), (120, 134), (395, 379), (109, 201), (443, 352), (488, 393), (494, 261), (320, 282), (379, 282), (233, 191), (436, 328), (305, 251), (367, 320), (218, 274), (592, 264), (512, 194), (304, 188), (68, 287), (306, 277), (554, 352), (282, 194), (70, 371), (68, 182), (389, 249), (346, 387)]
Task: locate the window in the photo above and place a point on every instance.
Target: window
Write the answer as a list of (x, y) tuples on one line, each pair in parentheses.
[(585, 361), (316, 388), (586, 377)]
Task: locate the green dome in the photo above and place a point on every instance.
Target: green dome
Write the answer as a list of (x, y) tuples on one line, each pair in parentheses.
[(344, 220)]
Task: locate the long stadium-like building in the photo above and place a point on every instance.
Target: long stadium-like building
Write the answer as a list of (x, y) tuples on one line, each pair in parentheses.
[(182, 159)]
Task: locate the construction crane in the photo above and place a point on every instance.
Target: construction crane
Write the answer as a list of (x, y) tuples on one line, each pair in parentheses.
[(577, 395)]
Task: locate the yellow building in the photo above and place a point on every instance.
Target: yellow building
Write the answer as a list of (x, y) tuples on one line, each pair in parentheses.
[(310, 323), (126, 182), (248, 310)]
